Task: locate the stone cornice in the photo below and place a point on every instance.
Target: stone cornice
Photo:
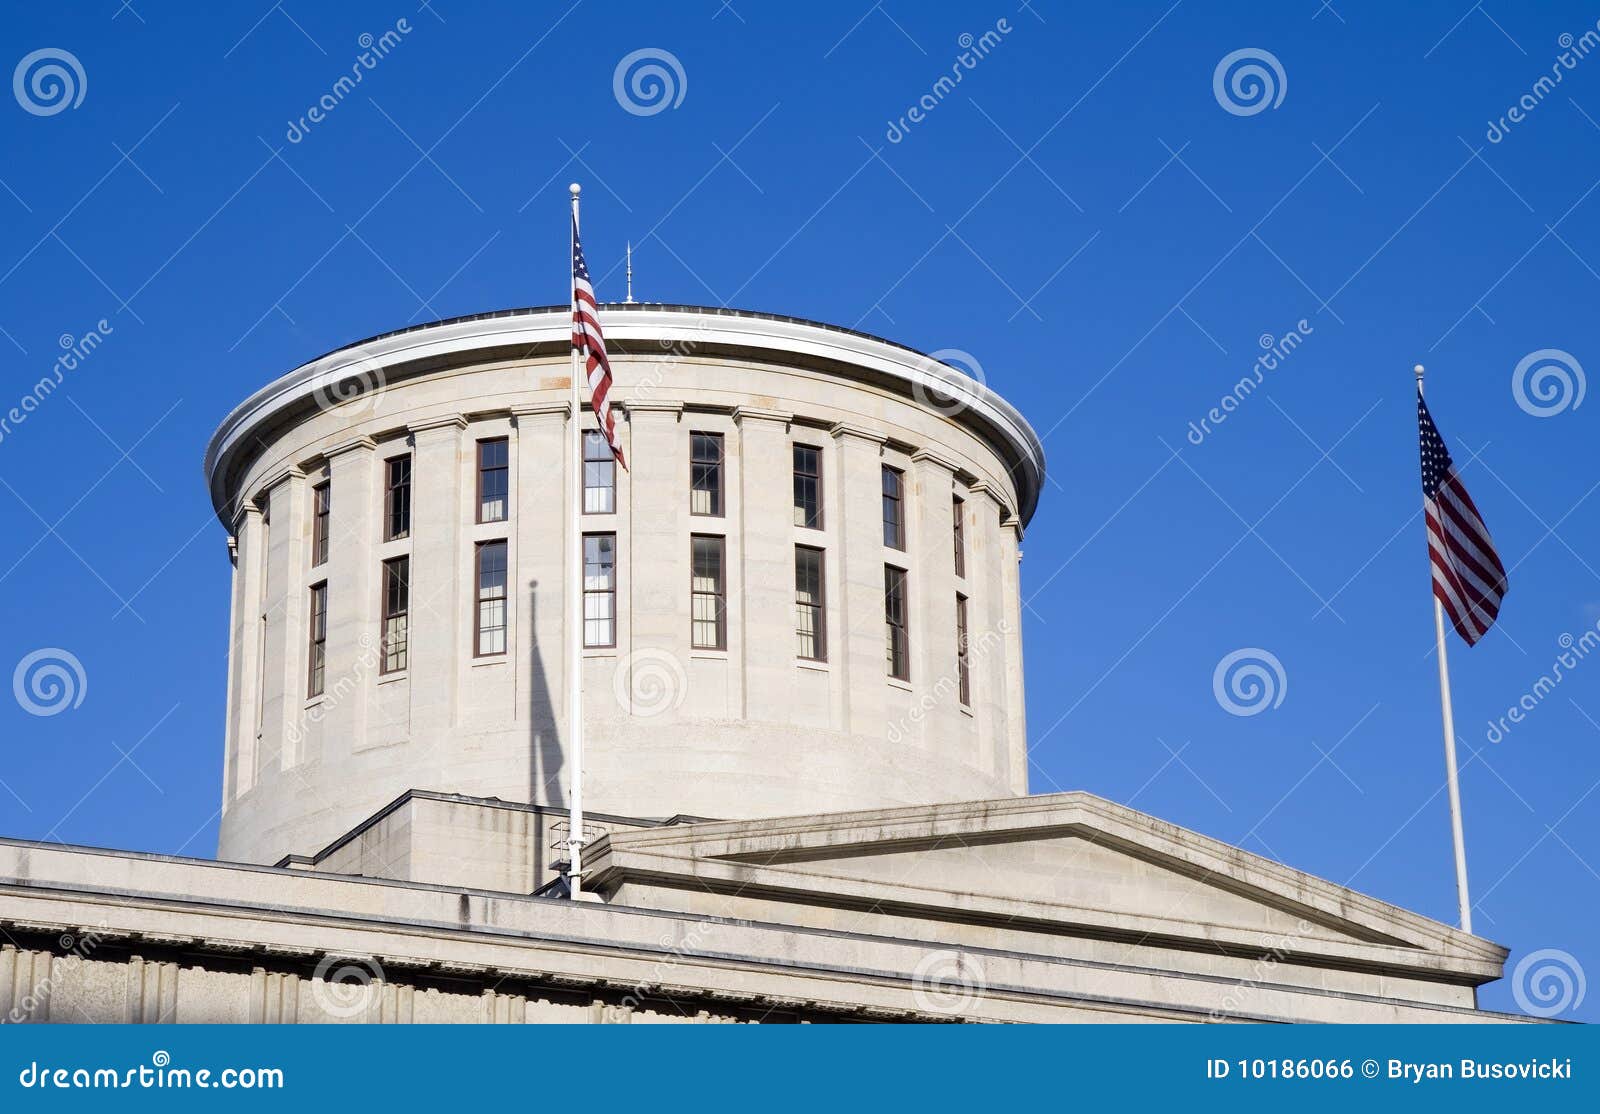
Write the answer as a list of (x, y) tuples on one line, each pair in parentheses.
[(845, 356)]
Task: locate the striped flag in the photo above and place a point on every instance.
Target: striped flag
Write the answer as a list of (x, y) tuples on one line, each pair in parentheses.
[(1468, 578), (590, 343)]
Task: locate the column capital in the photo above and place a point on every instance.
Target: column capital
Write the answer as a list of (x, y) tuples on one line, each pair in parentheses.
[(349, 444), (632, 406), (427, 425), (562, 410), (242, 516), (291, 472), (842, 430), (756, 413), (931, 457)]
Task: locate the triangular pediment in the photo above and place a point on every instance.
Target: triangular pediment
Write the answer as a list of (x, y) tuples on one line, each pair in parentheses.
[(1066, 864)]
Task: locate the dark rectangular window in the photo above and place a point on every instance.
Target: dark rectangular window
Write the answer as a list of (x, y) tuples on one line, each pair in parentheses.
[(894, 508), (321, 496), (808, 486), (491, 577), (397, 498), (396, 634), (895, 623), (708, 622), (494, 474), (599, 589), (963, 673), (810, 620), (319, 639), (958, 512), (599, 474), (705, 474)]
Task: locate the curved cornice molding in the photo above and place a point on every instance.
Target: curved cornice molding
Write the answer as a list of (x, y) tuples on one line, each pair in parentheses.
[(681, 330)]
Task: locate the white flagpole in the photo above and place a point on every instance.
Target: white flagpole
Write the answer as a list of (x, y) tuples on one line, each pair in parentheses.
[(575, 601), (1450, 754)]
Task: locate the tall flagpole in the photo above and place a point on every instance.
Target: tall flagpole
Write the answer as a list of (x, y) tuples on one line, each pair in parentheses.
[(1450, 753), (575, 594)]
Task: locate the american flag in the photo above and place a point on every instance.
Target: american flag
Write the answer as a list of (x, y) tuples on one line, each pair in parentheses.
[(1468, 578), (590, 343)]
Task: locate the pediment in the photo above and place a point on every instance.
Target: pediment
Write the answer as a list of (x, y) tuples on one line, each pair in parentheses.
[(1069, 864)]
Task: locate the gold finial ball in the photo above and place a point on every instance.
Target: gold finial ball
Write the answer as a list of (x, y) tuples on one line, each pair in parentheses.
[(574, 189)]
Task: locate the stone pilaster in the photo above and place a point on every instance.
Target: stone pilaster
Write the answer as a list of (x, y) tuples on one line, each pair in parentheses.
[(245, 653), (439, 566), (854, 493), (1011, 593), (653, 558), (934, 669), (151, 992), (537, 587), (765, 608), (291, 500), (355, 491)]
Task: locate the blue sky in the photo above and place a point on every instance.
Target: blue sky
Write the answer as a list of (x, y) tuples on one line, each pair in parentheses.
[(1082, 213)]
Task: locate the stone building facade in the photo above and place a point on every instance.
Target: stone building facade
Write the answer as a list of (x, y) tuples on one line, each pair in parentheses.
[(805, 758), (739, 721)]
